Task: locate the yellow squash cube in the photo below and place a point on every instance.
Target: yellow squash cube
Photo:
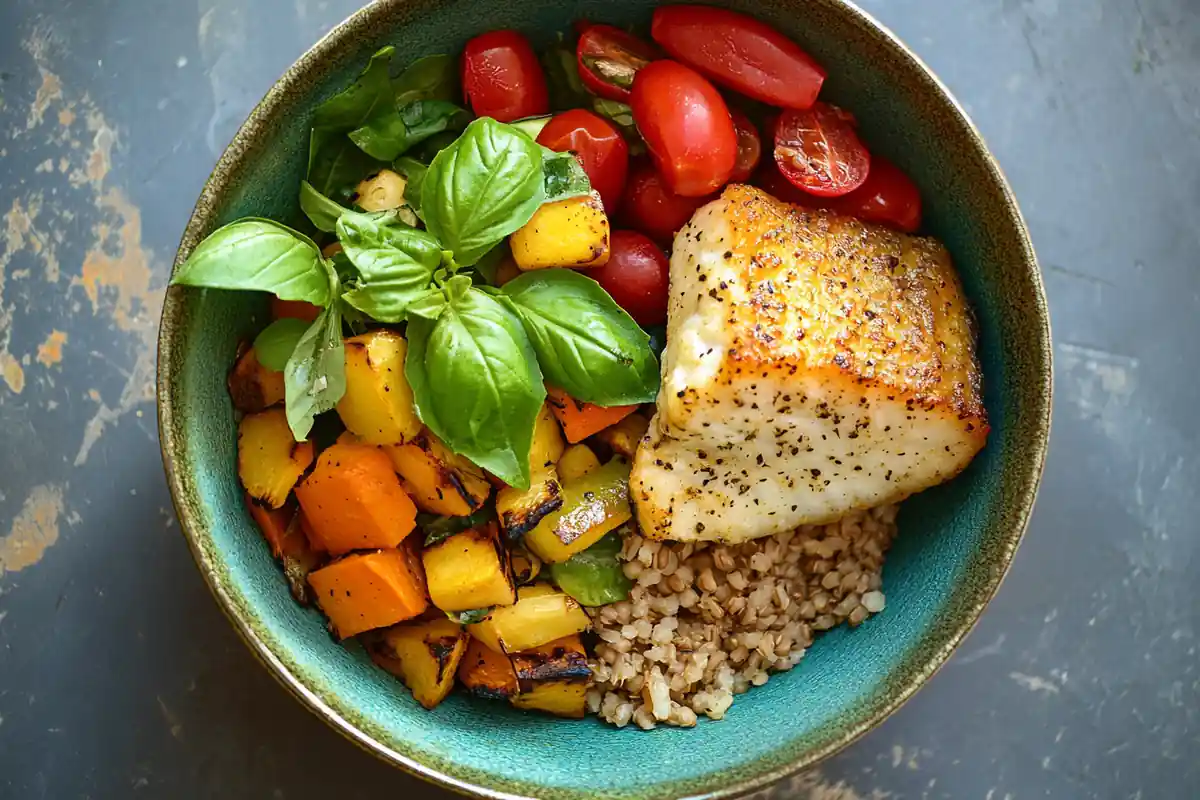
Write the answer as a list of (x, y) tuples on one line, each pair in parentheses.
[(378, 403), (565, 233), (469, 570), (577, 460), (553, 677), (424, 655), (520, 510), (541, 614), (270, 460), (438, 480)]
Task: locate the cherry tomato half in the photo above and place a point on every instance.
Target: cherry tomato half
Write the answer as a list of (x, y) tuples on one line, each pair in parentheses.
[(819, 151), (636, 276), (650, 207), (749, 147), (740, 53), (888, 197), (687, 127), (502, 78), (608, 59), (294, 309), (599, 147)]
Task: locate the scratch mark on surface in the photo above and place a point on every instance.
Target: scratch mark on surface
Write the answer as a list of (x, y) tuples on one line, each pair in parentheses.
[(171, 718), (993, 649), (814, 786), (50, 352), (1081, 276), (33, 531), (1034, 683)]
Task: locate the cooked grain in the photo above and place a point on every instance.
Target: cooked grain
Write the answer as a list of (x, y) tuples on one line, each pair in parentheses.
[(706, 622)]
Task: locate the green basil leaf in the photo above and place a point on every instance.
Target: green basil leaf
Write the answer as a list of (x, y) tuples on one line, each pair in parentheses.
[(370, 93), (564, 176), (427, 150), (437, 528), (594, 577), (621, 115), (482, 188), (585, 343), (258, 254), (562, 78), (275, 345), (428, 78), (413, 172), (395, 263), (392, 132), (315, 375), (337, 166), (320, 210), (469, 617), (475, 380)]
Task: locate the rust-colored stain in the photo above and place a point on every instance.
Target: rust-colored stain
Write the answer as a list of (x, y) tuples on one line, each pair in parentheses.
[(34, 531), (66, 117), (100, 158), (50, 352), (51, 89), (118, 267), (12, 372)]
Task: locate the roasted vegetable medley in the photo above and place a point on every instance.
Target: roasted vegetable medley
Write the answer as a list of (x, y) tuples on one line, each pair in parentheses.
[(437, 425)]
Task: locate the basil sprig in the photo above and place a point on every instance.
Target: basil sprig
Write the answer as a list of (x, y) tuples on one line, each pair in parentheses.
[(475, 378), (478, 357)]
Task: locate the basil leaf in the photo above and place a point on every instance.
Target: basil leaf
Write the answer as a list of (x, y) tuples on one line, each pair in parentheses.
[(562, 78), (315, 375), (469, 617), (427, 150), (258, 254), (475, 380), (395, 263), (585, 343), (392, 132), (274, 346), (337, 166), (621, 115), (594, 577), (437, 528), (564, 176), (482, 188), (428, 78), (370, 93), (320, 210), (413, 172)]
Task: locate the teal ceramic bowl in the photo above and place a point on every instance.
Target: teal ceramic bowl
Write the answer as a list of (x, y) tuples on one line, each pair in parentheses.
[(956, 542)]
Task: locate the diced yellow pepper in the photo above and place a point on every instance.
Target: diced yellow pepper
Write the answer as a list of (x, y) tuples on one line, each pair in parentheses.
[(592, 506), (565, 233)]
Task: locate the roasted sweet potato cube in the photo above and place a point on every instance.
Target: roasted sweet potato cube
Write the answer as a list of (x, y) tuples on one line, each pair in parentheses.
[(439, 481), (580, 420), (253, 387), (365, 591), (283, 530), (486, 673), (354, 501)]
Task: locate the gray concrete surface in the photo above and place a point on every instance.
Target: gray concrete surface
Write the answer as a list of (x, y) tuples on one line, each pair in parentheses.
[(120, 678)]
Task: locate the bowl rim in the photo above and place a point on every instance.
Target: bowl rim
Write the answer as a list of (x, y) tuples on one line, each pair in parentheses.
[(170, 436)]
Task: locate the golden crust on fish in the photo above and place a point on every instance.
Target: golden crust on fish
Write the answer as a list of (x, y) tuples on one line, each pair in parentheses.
[(814, 365)]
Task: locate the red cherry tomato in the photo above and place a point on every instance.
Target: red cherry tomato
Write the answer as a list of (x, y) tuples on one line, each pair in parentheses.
[(819, 151), (740, 53), (608, 59), (599, 147), (636, 276), (771, 180), (687, 127), (650, 207), (888, 197), (749, 147), (502, 78)]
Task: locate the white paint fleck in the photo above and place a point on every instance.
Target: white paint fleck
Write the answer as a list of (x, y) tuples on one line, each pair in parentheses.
[(182, 62), (1034, 683)]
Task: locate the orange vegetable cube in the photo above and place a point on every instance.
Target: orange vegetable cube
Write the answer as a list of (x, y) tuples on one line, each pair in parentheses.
[(353, 500), (486, 673), (365, 591), (253, 387), (581, 420)]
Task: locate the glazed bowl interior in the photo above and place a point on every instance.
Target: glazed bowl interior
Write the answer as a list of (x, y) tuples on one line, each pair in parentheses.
[(955, 543)]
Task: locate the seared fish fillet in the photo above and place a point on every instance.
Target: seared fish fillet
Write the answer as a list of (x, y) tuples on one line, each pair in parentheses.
[(814, 365)]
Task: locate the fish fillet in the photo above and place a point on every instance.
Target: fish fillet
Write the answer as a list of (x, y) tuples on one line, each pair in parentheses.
[(815, 365)]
